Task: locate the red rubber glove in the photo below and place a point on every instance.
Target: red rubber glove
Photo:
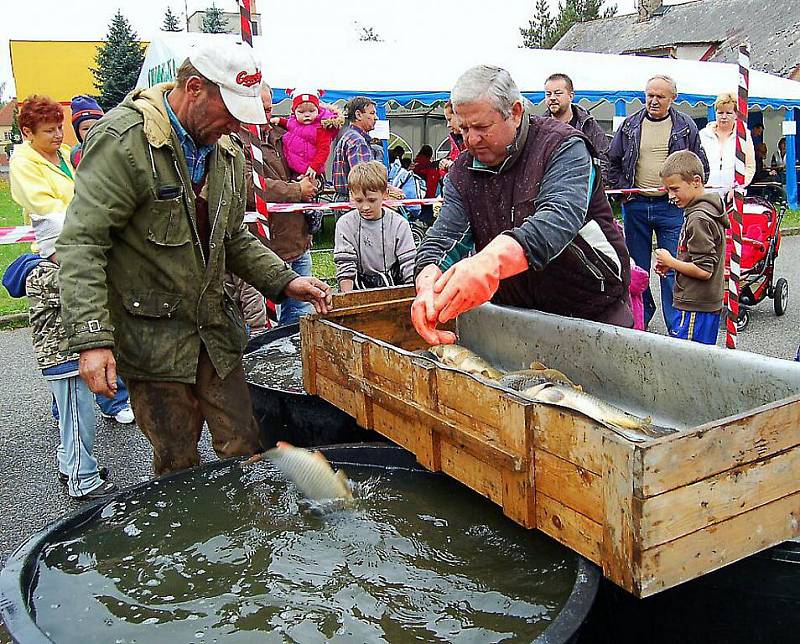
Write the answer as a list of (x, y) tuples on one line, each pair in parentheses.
[(474, 280), (423, 313)]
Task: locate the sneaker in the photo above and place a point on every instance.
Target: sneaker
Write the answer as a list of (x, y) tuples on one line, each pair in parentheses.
[(123, 416), (102, 490), (102, 472)]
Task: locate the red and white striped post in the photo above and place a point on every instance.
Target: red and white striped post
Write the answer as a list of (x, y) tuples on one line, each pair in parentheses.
[(254, 141), (738, 197)]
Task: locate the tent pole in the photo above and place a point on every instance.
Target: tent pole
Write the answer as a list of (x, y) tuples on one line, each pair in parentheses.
[(380, 108), (791, 117), (712, 113), (620, 112)]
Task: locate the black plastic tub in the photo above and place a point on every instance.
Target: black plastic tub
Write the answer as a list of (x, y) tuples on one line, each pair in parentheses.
[(299, 418), (755, 600), (17, 579)]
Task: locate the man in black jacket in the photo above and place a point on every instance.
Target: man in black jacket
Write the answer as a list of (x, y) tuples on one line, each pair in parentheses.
[(558, 96)]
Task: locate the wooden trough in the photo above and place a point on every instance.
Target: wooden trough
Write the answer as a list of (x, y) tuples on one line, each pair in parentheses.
[(651, 514)]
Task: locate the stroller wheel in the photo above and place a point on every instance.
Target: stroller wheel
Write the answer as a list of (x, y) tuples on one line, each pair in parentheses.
[(781, 296), (743, 321)]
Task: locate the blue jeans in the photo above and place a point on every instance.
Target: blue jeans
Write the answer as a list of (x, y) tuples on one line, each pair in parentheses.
[(642, 217), (291, 310), (77, 426), (109, 406)]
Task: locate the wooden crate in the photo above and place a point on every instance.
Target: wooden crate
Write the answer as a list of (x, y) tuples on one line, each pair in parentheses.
[(652, 515)]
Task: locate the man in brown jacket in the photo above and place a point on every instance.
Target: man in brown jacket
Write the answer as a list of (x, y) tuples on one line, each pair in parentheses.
[(289, 237)]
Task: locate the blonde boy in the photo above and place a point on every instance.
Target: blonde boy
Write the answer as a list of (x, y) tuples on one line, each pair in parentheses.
[(373, 244), (699, 264)]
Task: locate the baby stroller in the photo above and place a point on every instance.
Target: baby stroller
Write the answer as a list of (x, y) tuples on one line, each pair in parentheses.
[(761, 240)]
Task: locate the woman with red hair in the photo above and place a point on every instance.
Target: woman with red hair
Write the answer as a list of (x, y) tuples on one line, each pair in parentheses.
[(41, 176)]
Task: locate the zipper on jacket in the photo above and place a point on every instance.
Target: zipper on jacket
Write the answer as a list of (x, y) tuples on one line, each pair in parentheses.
[(189, 208), (589, 266)]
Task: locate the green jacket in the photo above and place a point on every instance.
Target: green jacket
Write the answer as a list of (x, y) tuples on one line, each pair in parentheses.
[(133, 273)]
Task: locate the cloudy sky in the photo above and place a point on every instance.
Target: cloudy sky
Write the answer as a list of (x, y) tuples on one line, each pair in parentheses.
[(89, 19)]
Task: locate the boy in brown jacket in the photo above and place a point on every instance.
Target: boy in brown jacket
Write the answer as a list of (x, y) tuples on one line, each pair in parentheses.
[(699, 265)]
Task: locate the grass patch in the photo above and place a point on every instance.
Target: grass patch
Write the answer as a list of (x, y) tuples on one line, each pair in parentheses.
[(10, 215), (791, 219)]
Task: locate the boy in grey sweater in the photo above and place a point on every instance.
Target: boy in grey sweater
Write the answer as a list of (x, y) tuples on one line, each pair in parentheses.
[(373, 246)]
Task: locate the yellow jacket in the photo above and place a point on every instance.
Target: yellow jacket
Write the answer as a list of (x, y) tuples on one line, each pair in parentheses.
[(37, 185)]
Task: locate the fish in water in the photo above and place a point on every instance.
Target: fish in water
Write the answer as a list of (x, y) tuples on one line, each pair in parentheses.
[(463, 359), (632, 427), (309, 471)]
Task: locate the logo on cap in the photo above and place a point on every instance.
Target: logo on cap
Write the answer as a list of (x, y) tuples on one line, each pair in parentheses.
[(248, 80)]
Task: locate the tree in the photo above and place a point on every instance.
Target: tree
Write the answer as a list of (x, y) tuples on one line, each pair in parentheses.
[(213, 21), (16, 134), (544, 32), (170, 21), (119, 60), (368, 34)]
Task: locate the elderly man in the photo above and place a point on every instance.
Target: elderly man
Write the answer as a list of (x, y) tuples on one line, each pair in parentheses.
[(527, 196), (156, 220), (354, 145), (289, 236), (639, 148), (558, 96)]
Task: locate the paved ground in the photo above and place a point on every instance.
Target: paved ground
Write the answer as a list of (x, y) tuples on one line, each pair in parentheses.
[(32, 498)]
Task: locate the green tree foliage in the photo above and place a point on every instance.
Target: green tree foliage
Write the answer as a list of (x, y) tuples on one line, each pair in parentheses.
[(213, 21), (119, 60), (16, 133), (170, 21), (544, 30)]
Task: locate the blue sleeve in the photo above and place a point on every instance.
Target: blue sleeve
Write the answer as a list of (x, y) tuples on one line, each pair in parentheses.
[(560, 208)]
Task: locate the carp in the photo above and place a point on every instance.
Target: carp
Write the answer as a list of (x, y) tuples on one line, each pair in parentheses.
[(627, 425), (310, 472), (463, 359), (537, 374)]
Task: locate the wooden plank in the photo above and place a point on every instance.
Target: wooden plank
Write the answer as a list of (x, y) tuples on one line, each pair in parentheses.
[(574, 530), (694, 455), (573, 437), (391, 366), (460, 437), (362, 370), (620, 524), (679, 512), (709, 549), (469, 470), (572, 485), (308, 350), (342, 301), (425, 393), (470, 400), (336, 394), (402, 431), (518, 498)]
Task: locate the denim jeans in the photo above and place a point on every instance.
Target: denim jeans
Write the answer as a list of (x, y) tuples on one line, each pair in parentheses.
[(643, 217), (77, 425), (109, 406), (291, 310)]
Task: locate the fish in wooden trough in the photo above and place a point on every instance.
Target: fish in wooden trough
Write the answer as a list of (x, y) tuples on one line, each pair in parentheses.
[(463, 359), (310, 471), (627, 425), (537, 374)]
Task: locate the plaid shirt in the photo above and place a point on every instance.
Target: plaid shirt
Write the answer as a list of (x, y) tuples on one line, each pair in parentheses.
[(196, 157), (353, 148)]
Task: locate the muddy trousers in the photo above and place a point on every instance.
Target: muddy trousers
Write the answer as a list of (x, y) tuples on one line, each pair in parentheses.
[(171, 415)]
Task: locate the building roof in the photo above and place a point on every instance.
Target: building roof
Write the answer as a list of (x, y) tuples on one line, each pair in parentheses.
[(771, 27), (7, 114)]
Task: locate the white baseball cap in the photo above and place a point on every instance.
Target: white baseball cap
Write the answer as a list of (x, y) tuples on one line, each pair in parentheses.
[(232, 67)]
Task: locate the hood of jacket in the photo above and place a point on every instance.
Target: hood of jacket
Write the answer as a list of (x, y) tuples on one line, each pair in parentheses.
[(26, 151), (331, 117), (156, 124), (712, 205), (18, 271)]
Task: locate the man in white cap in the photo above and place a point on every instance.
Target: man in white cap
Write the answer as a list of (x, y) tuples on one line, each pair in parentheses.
[(155, 223)]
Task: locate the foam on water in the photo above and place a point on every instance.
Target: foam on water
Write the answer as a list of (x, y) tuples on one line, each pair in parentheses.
[(239, 557)]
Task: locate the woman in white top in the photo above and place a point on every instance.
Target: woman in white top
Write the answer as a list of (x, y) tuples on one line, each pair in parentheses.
[(718, 139)]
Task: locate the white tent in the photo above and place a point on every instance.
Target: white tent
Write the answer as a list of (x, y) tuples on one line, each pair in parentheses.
[(385, 71)]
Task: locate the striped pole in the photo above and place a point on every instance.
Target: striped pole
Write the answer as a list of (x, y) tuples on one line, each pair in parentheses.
[(253, 138), (738, 197)]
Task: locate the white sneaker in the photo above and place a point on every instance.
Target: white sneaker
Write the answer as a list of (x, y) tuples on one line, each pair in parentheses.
[(124, 415)]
